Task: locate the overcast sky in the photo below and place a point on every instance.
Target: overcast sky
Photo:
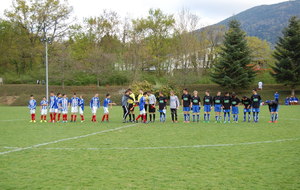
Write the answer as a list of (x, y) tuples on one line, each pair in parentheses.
[(209, 11)]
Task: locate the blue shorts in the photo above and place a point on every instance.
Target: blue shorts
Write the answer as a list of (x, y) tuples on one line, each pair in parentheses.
[(275, 110), (218, 107), (226, 110), (247, 110), (196, 109), (235, 110), (186, 109), (207, 108), (255, 110)]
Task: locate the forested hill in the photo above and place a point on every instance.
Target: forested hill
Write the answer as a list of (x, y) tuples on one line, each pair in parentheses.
[(267, 21)]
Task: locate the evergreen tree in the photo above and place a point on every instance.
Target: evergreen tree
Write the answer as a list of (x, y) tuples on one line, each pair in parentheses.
[(287, 55), (232, 69)]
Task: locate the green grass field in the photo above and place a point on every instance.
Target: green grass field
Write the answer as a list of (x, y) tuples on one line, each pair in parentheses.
[(149, 156)]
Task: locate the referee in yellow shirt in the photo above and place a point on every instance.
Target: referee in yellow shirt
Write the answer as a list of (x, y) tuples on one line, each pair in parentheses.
[(131, 104)]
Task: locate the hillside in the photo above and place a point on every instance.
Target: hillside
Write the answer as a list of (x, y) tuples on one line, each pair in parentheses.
[(266, 21)]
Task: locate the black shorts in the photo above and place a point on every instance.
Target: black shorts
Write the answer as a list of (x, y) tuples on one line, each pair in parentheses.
[(130, 107), (151, 108)]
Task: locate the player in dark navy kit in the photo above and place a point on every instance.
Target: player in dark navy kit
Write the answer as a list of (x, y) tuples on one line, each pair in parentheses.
[(217, 102), (247, 108), (186, 103), (207, 104), (235, 101), (195, 104), (273, 108), (162, 105), (255, 100), (226, 105)]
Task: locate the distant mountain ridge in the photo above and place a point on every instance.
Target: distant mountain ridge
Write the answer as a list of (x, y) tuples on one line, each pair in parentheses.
[(266, 21)]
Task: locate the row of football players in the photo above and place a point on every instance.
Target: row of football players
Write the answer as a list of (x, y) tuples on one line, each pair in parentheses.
[(59, 106), (226, 103)]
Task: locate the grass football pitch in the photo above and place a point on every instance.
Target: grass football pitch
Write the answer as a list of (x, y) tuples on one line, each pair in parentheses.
[(149, 156)]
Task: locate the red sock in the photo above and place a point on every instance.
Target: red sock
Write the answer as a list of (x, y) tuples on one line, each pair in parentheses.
[(138, 117), (54, 116), (107, 117), (58, 117), (93, 118), (51, 116), (103, 117), (42, 117), (45, 117), (82, 117), (75, 117), (144, 116), (33, 116)]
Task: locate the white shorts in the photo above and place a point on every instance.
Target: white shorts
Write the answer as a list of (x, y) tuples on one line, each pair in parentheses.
[(94, 110), (53, 110), (43, 111), (80, 111), (64, 112), (142, 112), (74, 109), (105, 110), (32, 111)]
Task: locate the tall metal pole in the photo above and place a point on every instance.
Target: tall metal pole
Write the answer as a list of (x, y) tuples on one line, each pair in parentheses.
[(46, 62)]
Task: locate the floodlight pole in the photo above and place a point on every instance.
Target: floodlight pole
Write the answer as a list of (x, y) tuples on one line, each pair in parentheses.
[(46, 60), (46, 41)]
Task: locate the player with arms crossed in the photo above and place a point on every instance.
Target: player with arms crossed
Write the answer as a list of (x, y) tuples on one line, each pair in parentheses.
[(174, 105), (207, 102), (44, 105), (74, 101), (217, 102), (32, 107), (107, 102), (226, 105), (235, 101), (53, 107), (255, 100), (142, 108), (186, 103), (162, 106), (195, 104), (94, 105), (81, 107), (247, 108)]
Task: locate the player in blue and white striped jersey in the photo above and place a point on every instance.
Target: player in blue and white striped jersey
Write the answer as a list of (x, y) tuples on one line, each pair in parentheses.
[(32, 107), (44, 106), (53, 107), (59, 111), (94, 105), (74, 107), (64, 105), (81, 107)]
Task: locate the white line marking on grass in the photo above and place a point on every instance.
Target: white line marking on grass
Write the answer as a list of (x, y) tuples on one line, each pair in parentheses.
[(66, 139), (13, 120), (174, 147)]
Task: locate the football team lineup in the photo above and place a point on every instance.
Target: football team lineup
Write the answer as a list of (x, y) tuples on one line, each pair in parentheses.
[(146, 102)]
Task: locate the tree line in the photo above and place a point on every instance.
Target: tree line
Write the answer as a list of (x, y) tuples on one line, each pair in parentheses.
[(108, 49)]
